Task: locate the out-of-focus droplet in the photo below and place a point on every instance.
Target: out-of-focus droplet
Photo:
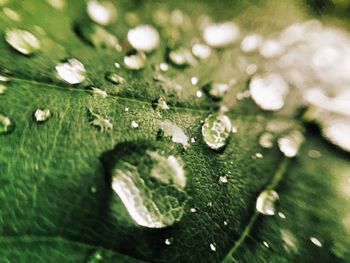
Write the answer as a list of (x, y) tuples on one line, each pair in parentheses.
[(315, 241), (114, 78), (194, 80), (290, 143), (271, 49), (42, 115), (266, 244), (212, 247), (23, 41), (221, 35), (169, 241), (259, 155), (2, 89), (265, 204), (201, 51), (193, 210), (269, 91), (71, 71), (144, 38), (216, 130), (217, 90), (99, 92), (314, 154), (336, 131), (163, 66), (101, 12), (175, 132), (266, 140), (251, 43), (135, 61), (10, 13), (281, 215), (4, 78), (57, 4), (6, 124), (150, 184), (102, 123), (181, 57)]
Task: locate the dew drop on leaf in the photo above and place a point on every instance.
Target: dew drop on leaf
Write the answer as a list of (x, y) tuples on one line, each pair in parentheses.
[(114, 78), (266, 140), (71, 71), (216, 90), (212, 247), (23, 41), (173, 131), (163, 66), (42, 115), (101, 12), (10, 13), (221, 35), (6, 124), (4, 78), (265, 204), (169, 241), (315, 241), (216, 130), (290, 143), (201, 51), (281, 215), (266, 244), (2, 89), (181, 57), (144, 38), (150, 184), (135, 60), (99, 92), (271, 48), (251, 43), (223, 179)]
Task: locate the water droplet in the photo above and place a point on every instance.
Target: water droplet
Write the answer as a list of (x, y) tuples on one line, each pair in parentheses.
[(269, 91), (193, 210), (101, 12), (175, 132), (265, 204), (144, 38), (97, 36), (289, 240), (114, 78), (259, 155), (266, 140), (223, 179), (134, 124), (216, 130), (169, 241), (315, 241), (271, 48), (221, 35), (2, 89), (281, 215), (199, 94), (117, 65), (135, 60), (57, 4), (163, 67), (251, 69), (149, 184), (251, 43), (42, 115), (194, 81), (10, 13), (314, 154), (217, 90), (201, 51), (266, 244), (289, 144), (100, 122), (225, 223), (6, 125), (23, 41), (126, 109), (213, 247), (4, 78), (181, 57), (71, 71), (193, 140), (99, 92)]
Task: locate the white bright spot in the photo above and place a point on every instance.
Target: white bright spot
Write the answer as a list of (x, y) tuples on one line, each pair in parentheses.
[(221, 35), (144, 38), (72, 71)]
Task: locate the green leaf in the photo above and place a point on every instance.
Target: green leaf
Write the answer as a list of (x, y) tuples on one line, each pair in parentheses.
[(57, 203)]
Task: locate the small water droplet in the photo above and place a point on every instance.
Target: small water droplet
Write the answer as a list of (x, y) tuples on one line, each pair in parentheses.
[(181, 57), (271, 48), (194, 81), (216, 130), (126, 109), (314, 154), (251, 69), (150, 184), (281, 215), (201, 51), (334, 130), (266, 244), (6, 125), (99, 92), (193, 210), (2, 89), (114, 78), (199, 94), (57, 4), (10, 13), (212, 247), (42, 115), (100, 122), (225, 223), (315, 241), (269, 91), (251, 43), (223, 179), (71, 71), (259, 155), (217, 90), (265, 204), (266, 140), (163, 66), (289, 144), (23, 41), (101, 12), (144, 38), (135, 60), (134, 124), (221, 35), (193, 140), (169, 241), (4, 78), (93, 189), (175, 132)]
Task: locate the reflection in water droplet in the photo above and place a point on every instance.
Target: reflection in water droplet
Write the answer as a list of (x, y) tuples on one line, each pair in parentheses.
[(221, 35), (10, 13), (114, 78), (175, 132), (23, 41), (216, 130), (135, 60), (101, 12), (212, 247), (169, 241), (144, 38), (149, 184), (201, 51), (315, 241), (289, 144), (2, 89), (269, 91), (6, 125), (266, 140), (71, 71), (42, 115), (265, 204)]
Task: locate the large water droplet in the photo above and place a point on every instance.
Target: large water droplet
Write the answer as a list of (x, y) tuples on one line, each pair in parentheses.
[(175, 132), (144, 38), (71, 71), (265, 204), (23, 41), (101, 12), (268, 91), (216, 130), (135, 60), (150, 184), (290, 143), (221, 35), (6, 125), (42, 115)]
